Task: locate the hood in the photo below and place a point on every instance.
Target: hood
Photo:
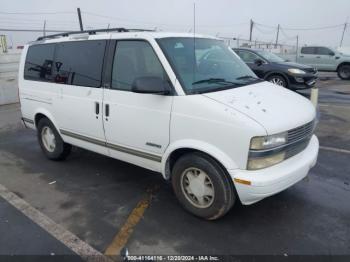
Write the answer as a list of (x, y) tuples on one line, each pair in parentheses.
[(276, 108), (292, 65)]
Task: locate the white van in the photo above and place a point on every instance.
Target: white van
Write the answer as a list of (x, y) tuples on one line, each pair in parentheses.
[(186, 107)]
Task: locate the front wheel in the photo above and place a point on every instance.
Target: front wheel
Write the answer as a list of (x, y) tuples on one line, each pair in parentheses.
[(202, 186), (51, 142), (277, 80), (344, 72)]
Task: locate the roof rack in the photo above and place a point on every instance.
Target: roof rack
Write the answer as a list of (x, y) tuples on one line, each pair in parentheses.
[(93, 32)]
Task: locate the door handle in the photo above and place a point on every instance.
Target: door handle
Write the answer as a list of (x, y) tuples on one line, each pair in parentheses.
[(318, 57), (97, 108), (107, 110), (301, 56)]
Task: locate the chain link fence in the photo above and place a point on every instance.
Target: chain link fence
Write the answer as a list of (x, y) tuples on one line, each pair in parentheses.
[(256, 44)]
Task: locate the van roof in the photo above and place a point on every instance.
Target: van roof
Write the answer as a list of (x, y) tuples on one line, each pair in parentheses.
[(114, 33)]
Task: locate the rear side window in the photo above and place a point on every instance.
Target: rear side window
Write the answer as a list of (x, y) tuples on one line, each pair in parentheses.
[(39, 62), (79, 63), (308, 50)]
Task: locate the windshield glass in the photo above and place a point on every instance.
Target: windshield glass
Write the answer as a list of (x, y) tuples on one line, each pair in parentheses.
[(271, 57), (205, 65)]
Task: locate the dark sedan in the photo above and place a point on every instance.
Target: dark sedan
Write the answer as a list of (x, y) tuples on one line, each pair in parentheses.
[(271, 67)]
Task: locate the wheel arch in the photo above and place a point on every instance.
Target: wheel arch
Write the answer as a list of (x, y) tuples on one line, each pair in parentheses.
[(44, 113), (343, 63), (279, 73), (178, 149)]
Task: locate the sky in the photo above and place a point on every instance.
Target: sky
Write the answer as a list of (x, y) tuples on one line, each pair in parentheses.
[(223, 18)]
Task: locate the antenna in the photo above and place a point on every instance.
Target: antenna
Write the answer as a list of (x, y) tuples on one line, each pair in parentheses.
[(194, 42)]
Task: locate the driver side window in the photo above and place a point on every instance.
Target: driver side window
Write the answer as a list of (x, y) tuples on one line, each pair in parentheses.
[(324, 51), (248, 57), (134, 60)]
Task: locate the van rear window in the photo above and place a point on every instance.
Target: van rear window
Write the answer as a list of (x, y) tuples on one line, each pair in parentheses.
[(72, 63), (39, 62)]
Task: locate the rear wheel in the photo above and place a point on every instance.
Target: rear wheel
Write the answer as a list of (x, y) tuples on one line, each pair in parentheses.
[(202, 186), (344, 72), (51, 142), (277, 80)]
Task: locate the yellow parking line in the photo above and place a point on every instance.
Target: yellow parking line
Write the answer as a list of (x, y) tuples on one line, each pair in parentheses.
[(134, 218)]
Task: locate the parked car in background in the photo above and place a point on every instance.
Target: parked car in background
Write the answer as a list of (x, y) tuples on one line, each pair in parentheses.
[(273, 68), (324, 59)]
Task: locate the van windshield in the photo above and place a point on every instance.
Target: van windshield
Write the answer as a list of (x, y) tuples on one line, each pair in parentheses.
[(205, 65)]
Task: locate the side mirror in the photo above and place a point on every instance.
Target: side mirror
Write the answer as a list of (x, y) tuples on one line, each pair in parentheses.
[(151, 85), (258, 62), (287, 60), (331, 53)]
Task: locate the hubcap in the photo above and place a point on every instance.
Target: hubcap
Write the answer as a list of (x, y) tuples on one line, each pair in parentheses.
[(197, 187), (48, 139), (277, 81)]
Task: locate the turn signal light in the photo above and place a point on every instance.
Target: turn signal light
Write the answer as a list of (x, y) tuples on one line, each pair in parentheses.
[(241, 181)]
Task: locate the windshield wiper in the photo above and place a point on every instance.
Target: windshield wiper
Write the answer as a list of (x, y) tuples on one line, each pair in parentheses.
[(209, 90), (247, 77), (214, 80)]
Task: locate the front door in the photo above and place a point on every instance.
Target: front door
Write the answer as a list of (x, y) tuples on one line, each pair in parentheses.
[(136, 125), (325, 59), (250, 59)]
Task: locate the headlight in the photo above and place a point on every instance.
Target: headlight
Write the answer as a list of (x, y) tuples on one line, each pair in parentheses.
[(266, 142), (265, 151), (296, 71), (263, 162)]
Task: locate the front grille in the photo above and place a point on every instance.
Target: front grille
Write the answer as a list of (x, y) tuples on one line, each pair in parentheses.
[(301, 132), (298, 138), (310, 70), (296, 148)]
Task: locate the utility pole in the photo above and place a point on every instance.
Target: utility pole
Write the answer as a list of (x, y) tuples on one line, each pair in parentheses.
[(342, 37), (278, 32), (80, 21), (297, 50), (251, 30), (44, 29)]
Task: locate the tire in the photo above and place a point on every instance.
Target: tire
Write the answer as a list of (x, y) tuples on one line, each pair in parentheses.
[(278, 80), (344, 72), (51, 142), (208, 176)]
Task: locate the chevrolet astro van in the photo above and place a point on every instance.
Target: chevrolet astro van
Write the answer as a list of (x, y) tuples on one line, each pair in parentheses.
[(184, 106)]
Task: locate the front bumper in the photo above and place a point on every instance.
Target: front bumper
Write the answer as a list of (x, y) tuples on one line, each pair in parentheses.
[(302, 81), (269, 181)]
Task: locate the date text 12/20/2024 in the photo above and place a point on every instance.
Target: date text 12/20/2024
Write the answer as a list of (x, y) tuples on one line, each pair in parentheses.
[(172, 258)]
